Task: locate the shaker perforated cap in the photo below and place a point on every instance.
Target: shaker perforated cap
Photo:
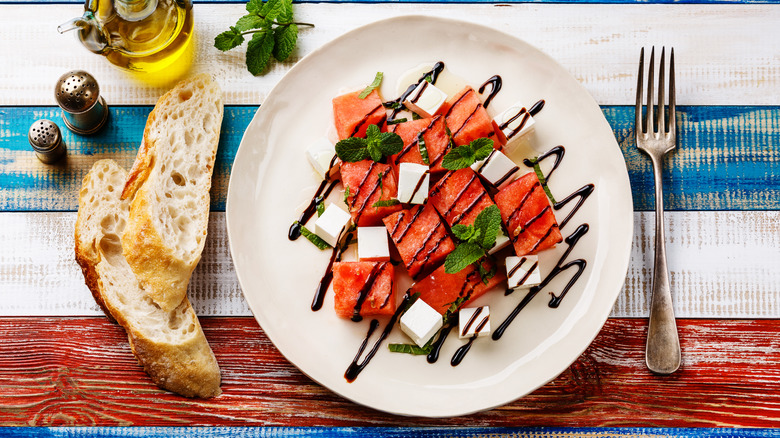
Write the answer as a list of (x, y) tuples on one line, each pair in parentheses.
[(77, 91), (46, 140)]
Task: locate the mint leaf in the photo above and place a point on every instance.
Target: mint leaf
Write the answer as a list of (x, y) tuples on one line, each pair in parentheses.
[(254, 6), (315, 239), (373, 86), (390, 143), (352, 149), (250, 21), (488, 222), (346, 195), (228, 39), (460, 157), (320, 208), (285, 12), (396, 121), (463, 232), (486, 274), (271, 9), (258, 52), (285, 38), (463, 255), (482, 147), (409, 349), (374, 151), (542, 179), (386, 203), (423, 149)]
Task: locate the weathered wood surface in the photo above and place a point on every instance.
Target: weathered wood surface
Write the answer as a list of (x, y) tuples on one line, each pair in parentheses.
[(67, 371), (726, 54), (722, 264), (728, 158)]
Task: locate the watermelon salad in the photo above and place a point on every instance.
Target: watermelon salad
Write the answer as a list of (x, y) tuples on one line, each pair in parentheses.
[(429, 192)]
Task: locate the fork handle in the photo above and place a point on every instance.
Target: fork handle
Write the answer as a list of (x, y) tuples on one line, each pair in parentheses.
[(663, 344)]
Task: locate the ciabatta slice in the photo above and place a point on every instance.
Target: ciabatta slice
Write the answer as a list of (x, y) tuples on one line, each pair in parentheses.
[(170, 345), (169, 185)]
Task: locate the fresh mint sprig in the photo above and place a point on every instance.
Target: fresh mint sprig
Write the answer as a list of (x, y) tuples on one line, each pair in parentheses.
[(274, 33), (475, 240), (464, 156), (376, 145)]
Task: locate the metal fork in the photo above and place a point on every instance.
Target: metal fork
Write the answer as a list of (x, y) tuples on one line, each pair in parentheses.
[(655, 136)]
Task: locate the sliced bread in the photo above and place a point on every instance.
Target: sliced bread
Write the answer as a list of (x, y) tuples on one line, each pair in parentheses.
[(170, 345), (169, 187)]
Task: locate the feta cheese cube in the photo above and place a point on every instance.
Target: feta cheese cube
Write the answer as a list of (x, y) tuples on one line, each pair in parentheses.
[(497, 169), (514, 123), (413, 182), (420, 322), (502, 240), (372, 244), (522, 272), (425, 99), (474, 321), (321, 155), (331, 223)]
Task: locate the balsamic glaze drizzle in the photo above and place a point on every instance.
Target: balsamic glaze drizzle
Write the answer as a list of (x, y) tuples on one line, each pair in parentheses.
[(495, 86), (322, 192), (366, 289), (322, 287), (397, 103), (535, 108)]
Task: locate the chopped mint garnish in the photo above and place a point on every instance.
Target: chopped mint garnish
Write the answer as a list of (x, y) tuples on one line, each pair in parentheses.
[(475, 240), (464, 156), (542, 179), (320, 208), (396, 121), (423, 149), (409, 349), (376, 145), (386, 203), (346, 195), (373, 86), (315, 239)]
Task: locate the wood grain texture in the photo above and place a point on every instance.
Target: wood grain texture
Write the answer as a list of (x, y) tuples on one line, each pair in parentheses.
[(722, 264), (726, 54), (728, 158), (79, 371)]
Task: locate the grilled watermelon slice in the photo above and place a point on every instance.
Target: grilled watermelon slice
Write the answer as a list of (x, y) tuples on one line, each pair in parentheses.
[(467, 118), (372, 279), (528, 216), (421, 238), (459, 196), (369, 182), (435, 138), (352, 115), (440, 289)]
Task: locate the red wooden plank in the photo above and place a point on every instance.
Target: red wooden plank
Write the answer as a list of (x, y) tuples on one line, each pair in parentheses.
[(79, 371)]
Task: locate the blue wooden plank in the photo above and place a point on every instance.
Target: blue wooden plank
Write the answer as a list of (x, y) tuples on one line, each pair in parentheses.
[(728, 157), (336, 432)]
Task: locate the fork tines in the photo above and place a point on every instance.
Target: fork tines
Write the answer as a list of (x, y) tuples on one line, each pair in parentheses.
[(656, 120)]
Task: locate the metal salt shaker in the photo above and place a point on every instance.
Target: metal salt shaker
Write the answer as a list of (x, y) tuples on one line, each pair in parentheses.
[(46, 140), (83, 108)]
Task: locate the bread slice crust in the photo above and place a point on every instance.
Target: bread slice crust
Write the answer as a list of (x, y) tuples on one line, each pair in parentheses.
[(169, 186), (169, 345)]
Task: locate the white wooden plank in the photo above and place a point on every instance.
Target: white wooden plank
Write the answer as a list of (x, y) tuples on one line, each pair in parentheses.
[(723, 265), (726, 54)]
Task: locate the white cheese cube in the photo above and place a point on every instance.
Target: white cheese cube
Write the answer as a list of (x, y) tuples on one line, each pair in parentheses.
[(497, 169), (372, 244), (321, 155), (413, 182), (502, 240), (514, 123), (329, 225), (420, 322), (522, 272), (474, 321), (426, 99)]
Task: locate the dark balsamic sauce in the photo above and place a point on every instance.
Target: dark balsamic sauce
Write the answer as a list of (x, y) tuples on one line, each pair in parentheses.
[(322, 192), (322, 287), (433, 356), (364, 291), (535, 108), (357, 365), (495, 86), (397, 103)]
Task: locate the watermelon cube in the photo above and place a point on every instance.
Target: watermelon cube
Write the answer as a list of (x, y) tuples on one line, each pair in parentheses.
[(371, 282), (467, 118), (440, 289), (369, 182), (353, 115), (528, 216), (434, 137), (421, 238), (459, 196)]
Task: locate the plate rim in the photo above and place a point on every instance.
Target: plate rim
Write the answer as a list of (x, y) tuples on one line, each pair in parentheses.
[(594, 328)]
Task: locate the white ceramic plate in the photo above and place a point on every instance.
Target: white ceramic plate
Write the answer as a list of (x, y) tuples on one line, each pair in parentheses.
[(271, 182)]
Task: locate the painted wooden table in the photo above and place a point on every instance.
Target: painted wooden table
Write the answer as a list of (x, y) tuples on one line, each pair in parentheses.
[(62, 363)]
